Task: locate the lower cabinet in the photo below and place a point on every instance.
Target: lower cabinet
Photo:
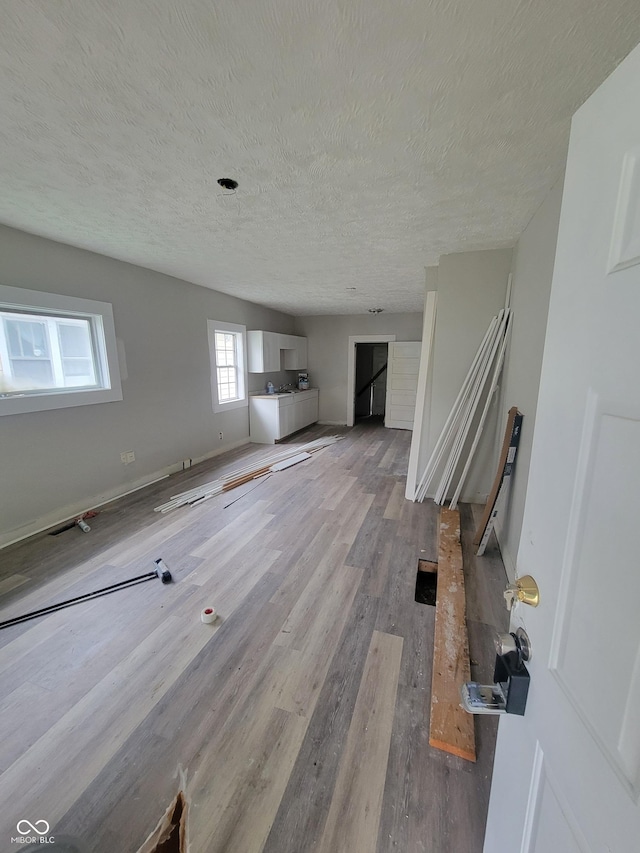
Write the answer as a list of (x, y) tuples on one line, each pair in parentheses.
[(275, 416), (288, 412)]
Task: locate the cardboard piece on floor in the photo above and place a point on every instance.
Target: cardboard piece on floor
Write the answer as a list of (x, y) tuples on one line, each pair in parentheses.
[(451, 727)]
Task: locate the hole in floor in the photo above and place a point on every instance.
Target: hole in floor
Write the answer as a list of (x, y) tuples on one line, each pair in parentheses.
[(170, 836), (426, 582)]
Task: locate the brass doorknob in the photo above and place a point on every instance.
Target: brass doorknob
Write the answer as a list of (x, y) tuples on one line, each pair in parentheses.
[(525, 589)]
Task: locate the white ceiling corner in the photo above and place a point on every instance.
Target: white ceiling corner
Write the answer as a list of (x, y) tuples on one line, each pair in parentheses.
[(368, 138)]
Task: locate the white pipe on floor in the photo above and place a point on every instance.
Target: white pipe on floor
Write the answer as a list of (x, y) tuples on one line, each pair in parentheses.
[(216, 487), (268, 460)]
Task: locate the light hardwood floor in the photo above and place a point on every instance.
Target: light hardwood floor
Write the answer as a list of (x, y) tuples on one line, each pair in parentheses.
[(299, 721)]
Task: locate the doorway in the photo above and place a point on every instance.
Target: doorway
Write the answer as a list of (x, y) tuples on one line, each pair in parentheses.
[(354, 340), (370, 381)]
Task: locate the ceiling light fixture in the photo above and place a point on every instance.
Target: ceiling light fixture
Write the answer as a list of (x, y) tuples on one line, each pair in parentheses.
[(375, 310)]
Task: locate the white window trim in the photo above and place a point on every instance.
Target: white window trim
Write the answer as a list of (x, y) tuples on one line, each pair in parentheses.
[(17, 297), (214, 326)]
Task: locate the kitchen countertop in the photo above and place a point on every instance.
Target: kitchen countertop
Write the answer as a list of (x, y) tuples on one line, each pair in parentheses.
[(279, 395)]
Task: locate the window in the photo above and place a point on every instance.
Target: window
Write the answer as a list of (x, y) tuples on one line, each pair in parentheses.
[(227, 366), (46, 353), (228, 372), (55, 351)]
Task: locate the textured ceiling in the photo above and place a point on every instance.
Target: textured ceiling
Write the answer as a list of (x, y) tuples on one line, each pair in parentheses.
[(368, 136)]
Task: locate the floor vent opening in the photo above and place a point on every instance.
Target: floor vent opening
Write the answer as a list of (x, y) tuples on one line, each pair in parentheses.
[(426, 582)]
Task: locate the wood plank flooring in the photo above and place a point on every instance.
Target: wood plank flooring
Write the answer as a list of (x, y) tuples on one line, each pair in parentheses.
[(298, 721)]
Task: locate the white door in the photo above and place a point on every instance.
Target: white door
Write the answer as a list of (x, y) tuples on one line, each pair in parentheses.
[(403, 365), (567, 774)]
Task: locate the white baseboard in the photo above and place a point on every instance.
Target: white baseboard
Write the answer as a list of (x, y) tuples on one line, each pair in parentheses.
[(74, 510), (220, 450), (332, 423)]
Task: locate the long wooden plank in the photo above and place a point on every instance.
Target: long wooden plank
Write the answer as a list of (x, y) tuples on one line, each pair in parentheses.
[(493, 495), (452, 728)]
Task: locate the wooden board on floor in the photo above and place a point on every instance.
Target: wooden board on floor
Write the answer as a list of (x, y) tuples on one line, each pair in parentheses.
[(451, 728), (511, 438)]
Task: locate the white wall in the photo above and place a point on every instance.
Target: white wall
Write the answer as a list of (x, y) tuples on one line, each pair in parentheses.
[(328, 341), (57, 463), (471, 290), (532, 272)]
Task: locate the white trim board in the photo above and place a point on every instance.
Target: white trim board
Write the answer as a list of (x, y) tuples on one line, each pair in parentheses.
[(351, 367)]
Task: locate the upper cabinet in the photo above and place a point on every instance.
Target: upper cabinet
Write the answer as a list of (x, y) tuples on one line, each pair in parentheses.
[(263, 349), (295, 352), (264, 352)]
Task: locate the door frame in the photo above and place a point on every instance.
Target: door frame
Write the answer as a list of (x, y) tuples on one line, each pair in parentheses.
[(351, 367)]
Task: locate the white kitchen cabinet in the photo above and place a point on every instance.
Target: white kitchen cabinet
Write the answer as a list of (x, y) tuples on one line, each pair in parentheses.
[(287, 416), (263, 352), (295, 356), (265, 349), (307, 409), (274, 416)]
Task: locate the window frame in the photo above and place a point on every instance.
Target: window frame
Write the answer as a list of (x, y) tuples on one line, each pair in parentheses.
[(240, 332), (108, 387)]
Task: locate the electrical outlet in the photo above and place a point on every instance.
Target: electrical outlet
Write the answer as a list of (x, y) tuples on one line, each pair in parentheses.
[(127, 457), (221, 436)]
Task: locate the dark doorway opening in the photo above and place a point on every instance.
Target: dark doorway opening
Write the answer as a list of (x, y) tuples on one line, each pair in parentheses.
[(370, 381)]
